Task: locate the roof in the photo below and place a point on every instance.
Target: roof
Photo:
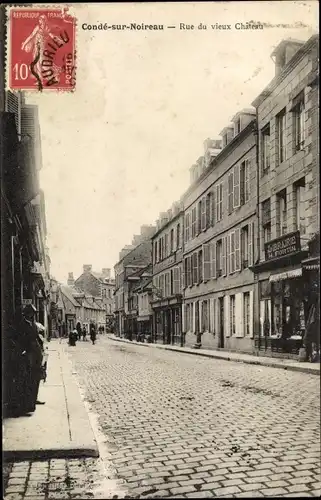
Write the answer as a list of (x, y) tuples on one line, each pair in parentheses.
[(67, 291), (143, 284), (314, 39)]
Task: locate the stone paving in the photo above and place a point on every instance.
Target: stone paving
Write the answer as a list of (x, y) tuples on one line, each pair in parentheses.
[(188, 427)]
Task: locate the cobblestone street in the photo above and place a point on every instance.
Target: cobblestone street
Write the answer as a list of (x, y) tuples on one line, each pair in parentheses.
[(177, 425)]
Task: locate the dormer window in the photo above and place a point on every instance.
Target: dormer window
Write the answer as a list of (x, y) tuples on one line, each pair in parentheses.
[(237, 126), (225, 140)]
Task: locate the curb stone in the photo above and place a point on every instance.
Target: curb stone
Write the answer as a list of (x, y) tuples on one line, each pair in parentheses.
[(269, 364)]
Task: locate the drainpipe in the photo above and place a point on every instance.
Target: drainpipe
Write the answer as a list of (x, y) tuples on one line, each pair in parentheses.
[(258, 217)]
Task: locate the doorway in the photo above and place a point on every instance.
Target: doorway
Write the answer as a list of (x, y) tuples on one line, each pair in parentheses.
[(221, 321)]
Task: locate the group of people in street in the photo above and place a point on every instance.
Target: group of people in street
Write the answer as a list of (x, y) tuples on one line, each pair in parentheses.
[(81, 332), (25, 364)]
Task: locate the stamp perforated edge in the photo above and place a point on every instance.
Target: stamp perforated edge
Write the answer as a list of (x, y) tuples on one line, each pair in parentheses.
[(7, 37)]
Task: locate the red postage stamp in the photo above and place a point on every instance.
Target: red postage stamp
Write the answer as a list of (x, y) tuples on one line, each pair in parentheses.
[(41, 49)]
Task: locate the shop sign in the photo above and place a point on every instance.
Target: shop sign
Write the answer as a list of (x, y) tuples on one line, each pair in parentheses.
[(285, 245)]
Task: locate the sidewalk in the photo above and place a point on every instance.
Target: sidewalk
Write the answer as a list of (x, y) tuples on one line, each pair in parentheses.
[(285, 364), (58, 429)]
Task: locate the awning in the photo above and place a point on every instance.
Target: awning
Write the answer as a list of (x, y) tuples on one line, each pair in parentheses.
[(294, 273)]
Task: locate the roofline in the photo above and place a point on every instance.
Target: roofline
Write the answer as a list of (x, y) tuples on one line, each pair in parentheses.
[(140, 244), (181, 212), (245, 132), (294, 61)]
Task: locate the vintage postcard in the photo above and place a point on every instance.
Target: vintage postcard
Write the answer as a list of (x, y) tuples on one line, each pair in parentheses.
[(160, 249)]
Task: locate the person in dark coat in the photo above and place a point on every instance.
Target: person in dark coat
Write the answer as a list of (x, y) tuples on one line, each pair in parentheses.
[(312, 332), (84, 333), (93, 334), (28, 364), (79, 332)]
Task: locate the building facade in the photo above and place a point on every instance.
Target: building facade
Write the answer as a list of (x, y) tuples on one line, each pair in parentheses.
[(288, 202), (133, 259), (167, 277), (219, 231), (99, 285)]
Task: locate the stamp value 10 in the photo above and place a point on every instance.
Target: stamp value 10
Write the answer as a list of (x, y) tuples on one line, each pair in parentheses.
[(41, 49)]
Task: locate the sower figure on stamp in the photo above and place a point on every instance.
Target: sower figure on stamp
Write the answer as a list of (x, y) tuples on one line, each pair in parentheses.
[(36, 43)]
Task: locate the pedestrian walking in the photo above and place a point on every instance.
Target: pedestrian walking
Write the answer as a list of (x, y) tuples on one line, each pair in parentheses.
[(84, 333), (93, 334), (79, 332)]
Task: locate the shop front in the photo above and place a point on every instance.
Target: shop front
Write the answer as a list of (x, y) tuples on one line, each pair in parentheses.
[(167, 319), (283, 296)]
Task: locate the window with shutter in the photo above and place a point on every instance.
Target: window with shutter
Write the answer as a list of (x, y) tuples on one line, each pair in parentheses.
[(184, 318), (232, 252), (213, 259), (228, 254), (239, 315), (178, 236), (236, 188), (185, 273), (199, 217), (227, 316), (208, 210), (206, 262), (203, 214), (200, 266), (187, 227), (224, 256), (219, 201), (189, 271), (237, 250), (230, 192), (212, 202), (176, 281), (195, 268), (194, 222), (251, 244)]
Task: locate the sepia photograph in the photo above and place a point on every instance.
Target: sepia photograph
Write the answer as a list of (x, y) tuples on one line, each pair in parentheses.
[(160, 250)]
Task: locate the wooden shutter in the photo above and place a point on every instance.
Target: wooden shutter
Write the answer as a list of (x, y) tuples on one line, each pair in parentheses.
[(230, 192), (228, 254), (195, 268), (251, 243), (203, 214), (251, 314), (237, 250), (183, 318), (232, 251), (213, 259), (239, 315), (217, 199), (211, 316), (212, 208), (189, 271), (206, 262), (200, 315), (175, 280), (227, 315), (224, 243), (236, 187)]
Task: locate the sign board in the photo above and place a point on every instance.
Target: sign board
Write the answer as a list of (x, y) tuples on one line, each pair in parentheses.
[(282, 246)]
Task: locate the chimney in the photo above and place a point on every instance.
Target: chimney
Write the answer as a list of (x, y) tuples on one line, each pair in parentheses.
[(284, 52), (87, 268), (106, 272), (71, 280)]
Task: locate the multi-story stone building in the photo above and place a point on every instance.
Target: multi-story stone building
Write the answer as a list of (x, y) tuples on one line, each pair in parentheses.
[(219, 229), (132, 259), (288, 198), (99, 285), (167, 277)]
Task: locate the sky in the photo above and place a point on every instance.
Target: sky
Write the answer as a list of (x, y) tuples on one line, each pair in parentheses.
[(117, 151)]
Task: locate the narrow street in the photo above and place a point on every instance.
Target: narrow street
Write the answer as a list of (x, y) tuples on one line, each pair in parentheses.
[(184, 426)]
